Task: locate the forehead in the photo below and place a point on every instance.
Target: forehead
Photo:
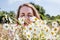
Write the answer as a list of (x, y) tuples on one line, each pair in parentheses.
[(25, 9)]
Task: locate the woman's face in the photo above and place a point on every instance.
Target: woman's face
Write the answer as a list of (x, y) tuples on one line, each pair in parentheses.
[(26, 12)]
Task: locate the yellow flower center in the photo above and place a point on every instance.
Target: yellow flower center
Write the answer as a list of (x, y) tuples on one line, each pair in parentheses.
[(28, 36), (36, 19), (52, 33), (34, 34), (30, 28), (55, 29), (47, 30), (34, 29)]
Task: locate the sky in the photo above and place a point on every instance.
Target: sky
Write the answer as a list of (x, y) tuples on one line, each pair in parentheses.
[(52, 7)]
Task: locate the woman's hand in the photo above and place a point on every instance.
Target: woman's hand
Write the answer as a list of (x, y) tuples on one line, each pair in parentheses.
[(27, 21)]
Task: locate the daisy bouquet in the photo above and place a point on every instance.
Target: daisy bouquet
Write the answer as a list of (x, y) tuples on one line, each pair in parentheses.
[(37, 30)]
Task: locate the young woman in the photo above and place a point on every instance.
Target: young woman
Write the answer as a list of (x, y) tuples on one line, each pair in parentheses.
[(27, 10)]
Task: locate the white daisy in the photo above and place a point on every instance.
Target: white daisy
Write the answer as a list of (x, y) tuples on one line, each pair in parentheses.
[(13, 27), (21, 20), (25, 30), (56, 29), (29, 35), (16, 37), (49, 37), (54, 24), (33, 18), (52, 33), (6, 26), (41, 22), (45, 22), (43, 37), (46, 28), (31, 27), (37, 23)]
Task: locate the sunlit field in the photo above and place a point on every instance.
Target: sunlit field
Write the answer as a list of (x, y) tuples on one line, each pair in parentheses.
[(45, 28)]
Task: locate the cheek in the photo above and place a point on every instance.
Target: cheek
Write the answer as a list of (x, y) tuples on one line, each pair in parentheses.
[(32, 14), (20, 15)]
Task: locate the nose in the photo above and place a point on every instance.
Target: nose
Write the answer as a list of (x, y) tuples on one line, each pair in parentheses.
[(26, 17)]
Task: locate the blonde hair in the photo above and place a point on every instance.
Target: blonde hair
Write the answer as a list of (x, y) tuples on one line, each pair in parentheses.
[(35, 12)]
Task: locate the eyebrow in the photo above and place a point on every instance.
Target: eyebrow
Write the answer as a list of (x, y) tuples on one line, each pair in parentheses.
[(29, 13), (22, 13)]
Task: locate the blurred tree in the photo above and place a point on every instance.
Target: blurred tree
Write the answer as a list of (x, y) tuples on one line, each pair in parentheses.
[(58, 17), (47, 16), (12, 14), (9, 14)]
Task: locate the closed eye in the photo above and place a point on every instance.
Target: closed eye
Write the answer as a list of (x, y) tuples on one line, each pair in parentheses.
[(29, 15), (22, 14)]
